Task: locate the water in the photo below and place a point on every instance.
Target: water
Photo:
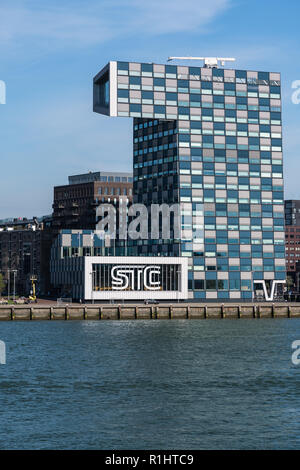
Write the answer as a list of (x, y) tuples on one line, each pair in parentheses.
[(191, 384)]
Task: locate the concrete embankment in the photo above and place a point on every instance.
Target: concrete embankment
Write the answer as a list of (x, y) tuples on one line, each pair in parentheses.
[(140, 312)]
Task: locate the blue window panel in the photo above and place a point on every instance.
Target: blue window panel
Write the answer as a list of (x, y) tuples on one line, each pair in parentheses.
[(241, 74), (147, 95), (246, 295), (217, 72), (253, 167), (183, 110), (186, 193), (241, 100), (171, 69), (234, 284), (123, 66), (159, 109), (133, 80), (199, 261), (209, 193), (264, 128), (220, 126), (264, 102), (182, 83), (219, 99), (208, 139), (275, 90), (231, 140), (184, 166), (159, 82), (171, 96), (245, 256), (253, 114), (123, 93), (253, 141), (195, 71), (232, 167), (275, 116), (230, 113), (197, 179), (263, 76), (195, 152), (196, 124), (210, 275), (207, 112), (242, 127), (258, 275), (279, 221), (277, 194), (136, 108), (234, 253), (199, 295), (206, 85), (194, 97), (208, 166), (223, 295), (280, 276), (209, 220), (184, 137), (147, 67), (229, 86)]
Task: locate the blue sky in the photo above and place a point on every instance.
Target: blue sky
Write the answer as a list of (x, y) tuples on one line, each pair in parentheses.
[(50, 50)]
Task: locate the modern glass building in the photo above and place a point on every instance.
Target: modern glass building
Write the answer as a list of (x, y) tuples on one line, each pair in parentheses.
[(210, 138)]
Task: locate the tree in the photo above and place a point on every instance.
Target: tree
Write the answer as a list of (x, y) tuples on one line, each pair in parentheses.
[(2, 284), (289, 282)]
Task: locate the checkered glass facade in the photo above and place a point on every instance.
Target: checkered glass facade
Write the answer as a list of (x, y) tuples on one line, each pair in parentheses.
[(210, 137)]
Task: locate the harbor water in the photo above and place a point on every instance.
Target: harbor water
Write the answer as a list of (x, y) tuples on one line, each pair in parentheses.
[(174, 384)]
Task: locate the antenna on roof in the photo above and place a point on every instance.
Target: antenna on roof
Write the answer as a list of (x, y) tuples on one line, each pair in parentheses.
[(209, 62)]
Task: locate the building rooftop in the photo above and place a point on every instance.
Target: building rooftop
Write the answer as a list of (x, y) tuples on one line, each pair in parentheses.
[(104, 176)]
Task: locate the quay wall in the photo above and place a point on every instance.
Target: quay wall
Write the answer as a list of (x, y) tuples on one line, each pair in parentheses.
[(147, 312)]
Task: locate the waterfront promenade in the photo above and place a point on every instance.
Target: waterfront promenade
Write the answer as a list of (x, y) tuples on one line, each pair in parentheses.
[(143, 312)]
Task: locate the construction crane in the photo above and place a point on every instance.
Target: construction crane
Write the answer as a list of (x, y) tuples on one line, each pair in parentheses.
[(209, 62)]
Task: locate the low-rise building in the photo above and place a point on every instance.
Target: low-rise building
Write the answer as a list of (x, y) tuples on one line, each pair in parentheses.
[(24, 253), (89, 267), (75, 204)]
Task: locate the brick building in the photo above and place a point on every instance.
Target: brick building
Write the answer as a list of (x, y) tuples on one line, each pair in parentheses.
[(75, 204), (24, 252)]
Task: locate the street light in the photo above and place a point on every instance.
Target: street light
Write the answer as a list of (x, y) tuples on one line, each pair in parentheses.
[(8, 286), (14, 294), (14, 271), (93, 282)]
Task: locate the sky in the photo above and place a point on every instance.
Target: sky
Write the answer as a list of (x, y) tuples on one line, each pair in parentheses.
[(51, 49)]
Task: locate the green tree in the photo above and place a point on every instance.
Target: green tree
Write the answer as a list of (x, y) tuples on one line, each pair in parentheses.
[(289, 282), (2, 284)]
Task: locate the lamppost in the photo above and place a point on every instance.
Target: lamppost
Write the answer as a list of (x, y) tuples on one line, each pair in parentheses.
[(14, 294), (8, 284), (93, 282)]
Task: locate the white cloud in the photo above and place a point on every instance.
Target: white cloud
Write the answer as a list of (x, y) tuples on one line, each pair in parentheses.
[(93, 22)]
